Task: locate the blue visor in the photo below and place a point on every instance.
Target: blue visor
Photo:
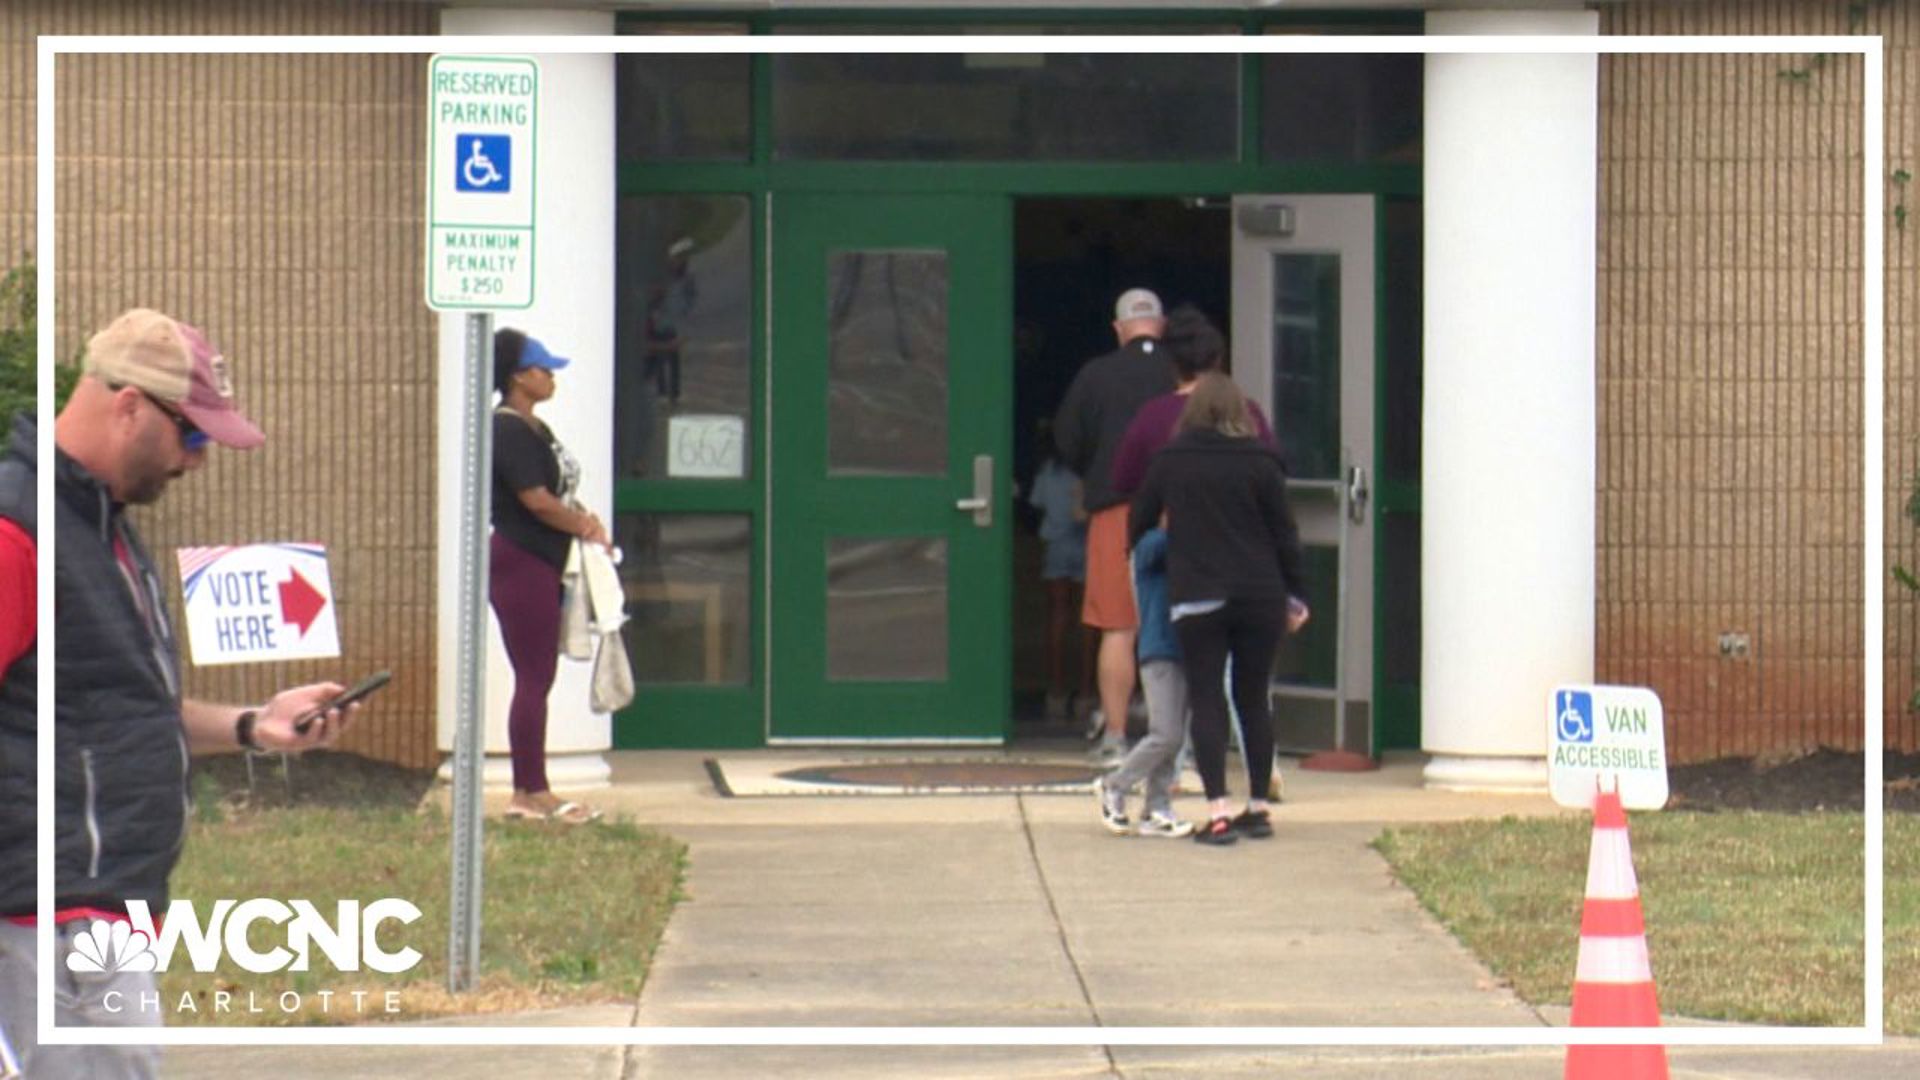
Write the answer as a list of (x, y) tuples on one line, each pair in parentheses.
[(536, 355)]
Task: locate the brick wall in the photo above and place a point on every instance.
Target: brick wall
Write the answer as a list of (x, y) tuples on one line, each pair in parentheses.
[(274, 200), (1730, 367)]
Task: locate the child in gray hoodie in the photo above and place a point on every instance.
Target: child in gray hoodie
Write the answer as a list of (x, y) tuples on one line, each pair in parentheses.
[(1154, 759)]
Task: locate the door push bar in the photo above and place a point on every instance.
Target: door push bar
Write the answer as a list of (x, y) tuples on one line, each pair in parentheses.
[(981, 504)]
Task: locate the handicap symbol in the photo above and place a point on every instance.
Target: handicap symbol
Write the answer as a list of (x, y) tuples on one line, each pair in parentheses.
[(478, 168), (1574, 717)]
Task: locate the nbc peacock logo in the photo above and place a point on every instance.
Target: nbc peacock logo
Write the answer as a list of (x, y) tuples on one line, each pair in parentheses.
[(108, 948)]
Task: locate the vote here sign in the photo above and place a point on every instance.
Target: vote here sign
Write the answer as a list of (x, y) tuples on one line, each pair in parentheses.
[(1606, 735), (259, 602)]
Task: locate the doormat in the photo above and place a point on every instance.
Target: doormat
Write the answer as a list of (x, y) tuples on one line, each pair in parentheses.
[(737, 777)]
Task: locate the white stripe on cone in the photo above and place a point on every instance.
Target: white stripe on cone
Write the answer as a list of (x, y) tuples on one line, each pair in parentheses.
[(1613, 960), (1610, 867)]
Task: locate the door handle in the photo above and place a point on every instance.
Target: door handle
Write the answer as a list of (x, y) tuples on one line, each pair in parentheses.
[(1356, 494), (981, 504)]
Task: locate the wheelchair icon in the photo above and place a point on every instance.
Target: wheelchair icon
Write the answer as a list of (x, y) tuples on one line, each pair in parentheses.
[(478, 168), (1574, 725)]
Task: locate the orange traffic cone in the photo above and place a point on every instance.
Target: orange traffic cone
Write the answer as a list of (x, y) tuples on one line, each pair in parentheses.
[(1613, 986)]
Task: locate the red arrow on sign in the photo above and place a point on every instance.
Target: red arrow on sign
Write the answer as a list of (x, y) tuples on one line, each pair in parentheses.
[(300, 602)]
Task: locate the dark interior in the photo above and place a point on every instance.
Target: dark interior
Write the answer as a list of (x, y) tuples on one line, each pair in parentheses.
[(1072, 258)]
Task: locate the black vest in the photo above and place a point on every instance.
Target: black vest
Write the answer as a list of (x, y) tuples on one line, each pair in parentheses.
[(120, 754), (18, 698)]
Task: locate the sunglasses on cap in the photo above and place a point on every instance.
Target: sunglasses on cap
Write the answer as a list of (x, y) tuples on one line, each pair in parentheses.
[(192, 439)]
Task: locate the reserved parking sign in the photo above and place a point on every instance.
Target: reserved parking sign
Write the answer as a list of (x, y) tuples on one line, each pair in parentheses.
[(1606, 735)]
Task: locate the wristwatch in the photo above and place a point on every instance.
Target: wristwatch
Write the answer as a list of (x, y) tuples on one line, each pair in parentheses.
[(243, 729)]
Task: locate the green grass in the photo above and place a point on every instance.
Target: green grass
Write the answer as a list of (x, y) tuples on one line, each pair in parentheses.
[(571, 915), (1752, 917)]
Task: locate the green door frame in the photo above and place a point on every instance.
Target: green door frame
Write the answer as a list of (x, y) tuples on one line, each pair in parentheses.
[(736, 716)]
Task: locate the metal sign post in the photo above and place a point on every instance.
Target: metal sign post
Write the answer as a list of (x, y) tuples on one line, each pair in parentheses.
[(469, 739), (482, 113)]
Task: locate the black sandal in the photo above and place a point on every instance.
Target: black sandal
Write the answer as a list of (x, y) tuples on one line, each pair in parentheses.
[(1217, 831)]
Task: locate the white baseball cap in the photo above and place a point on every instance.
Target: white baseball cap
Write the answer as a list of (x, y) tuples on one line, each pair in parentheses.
[(1137, 304)]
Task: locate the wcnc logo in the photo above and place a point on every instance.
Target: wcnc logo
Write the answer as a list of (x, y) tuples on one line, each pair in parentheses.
[(349, 942)]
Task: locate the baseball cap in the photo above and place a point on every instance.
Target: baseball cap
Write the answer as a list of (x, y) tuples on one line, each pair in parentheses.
[(177, 364), (682, 246), (537, 355), (1137, 304)]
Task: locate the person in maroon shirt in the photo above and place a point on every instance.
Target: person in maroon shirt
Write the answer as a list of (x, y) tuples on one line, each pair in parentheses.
[(1195, 347)]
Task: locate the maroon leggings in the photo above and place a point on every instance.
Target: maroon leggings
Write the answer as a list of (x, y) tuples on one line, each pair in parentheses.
[(524, 590)]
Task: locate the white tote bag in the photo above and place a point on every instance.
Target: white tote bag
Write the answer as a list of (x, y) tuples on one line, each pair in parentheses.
[(576, 610)]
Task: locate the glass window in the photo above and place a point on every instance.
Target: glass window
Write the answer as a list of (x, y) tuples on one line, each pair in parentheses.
[(684, 106), (687, 581), (1358, 108), (887, 363), (683, 326), (887, 609), (1005, 107), (1401, 304), (1398, 595), (1306, 363)]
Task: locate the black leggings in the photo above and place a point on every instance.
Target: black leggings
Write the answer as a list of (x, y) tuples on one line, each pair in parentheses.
[(1248, 631)]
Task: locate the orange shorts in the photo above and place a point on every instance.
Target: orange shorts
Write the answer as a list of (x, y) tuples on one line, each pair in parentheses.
[(1109, 598)]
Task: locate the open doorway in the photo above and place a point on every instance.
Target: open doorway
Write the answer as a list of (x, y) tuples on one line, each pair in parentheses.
[(1072, 258)]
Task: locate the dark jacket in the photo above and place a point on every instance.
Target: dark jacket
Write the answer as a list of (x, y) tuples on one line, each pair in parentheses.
[(1230, 533), (1100, 403), (18, 691), (120, 754)]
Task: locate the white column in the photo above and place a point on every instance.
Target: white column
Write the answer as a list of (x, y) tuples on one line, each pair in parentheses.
[(1507, 537), (572, 314)]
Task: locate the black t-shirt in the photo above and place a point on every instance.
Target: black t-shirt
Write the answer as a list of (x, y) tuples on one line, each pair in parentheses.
[(527, 457)]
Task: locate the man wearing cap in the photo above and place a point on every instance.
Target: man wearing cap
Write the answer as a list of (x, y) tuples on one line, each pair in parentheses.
[(1100, 403), (154, 396), (668, 309)]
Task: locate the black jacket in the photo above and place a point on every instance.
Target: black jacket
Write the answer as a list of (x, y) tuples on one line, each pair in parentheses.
[(19, 690), (120, 753), (1100, 403), (1230, 533)]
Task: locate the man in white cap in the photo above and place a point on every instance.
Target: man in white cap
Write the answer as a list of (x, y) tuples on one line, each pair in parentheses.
[(1100, 403), (154, 397)]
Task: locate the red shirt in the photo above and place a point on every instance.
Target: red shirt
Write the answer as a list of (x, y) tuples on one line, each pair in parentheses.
[(19, 594)]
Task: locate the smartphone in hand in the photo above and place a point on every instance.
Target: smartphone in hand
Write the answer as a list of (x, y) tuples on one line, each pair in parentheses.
[(366, 686)]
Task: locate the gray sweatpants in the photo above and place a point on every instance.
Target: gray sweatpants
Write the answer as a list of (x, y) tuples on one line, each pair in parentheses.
[(1156, 758), (81, 999)]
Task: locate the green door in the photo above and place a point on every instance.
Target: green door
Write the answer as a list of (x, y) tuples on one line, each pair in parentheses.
[(891, 374)]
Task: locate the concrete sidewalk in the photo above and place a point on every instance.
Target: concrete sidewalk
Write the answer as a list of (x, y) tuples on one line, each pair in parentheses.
[(1019, 911)]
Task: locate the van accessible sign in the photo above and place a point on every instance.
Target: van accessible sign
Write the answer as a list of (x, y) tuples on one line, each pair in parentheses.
[(482, 112), (261, 602), (1606, 735)]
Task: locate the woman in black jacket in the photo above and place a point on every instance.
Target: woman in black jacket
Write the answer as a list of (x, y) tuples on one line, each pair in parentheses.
[(1233, 577)]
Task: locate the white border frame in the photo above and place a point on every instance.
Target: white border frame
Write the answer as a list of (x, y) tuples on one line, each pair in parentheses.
[(1873, 403)]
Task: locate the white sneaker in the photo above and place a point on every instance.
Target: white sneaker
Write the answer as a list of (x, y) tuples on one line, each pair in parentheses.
[(1108, 754), (1162, 825), (1113, 807)]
